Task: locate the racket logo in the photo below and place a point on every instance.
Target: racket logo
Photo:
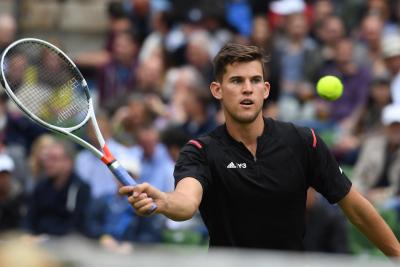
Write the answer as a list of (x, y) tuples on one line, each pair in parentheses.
[(68, 113)]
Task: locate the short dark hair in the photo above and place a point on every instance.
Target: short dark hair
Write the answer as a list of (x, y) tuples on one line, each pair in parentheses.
[(232, 53)]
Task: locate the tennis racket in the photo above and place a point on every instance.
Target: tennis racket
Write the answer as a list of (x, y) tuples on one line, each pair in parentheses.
[(48, 87)]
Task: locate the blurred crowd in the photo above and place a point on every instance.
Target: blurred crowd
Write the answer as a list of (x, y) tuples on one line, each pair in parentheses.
[(150, 85)]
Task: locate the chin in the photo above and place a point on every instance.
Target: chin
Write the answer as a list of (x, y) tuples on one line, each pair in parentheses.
[(245, 118)]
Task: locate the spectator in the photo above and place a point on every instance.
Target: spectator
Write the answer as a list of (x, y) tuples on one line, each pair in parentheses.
[(118, 21), (198, 55), (117, 78), (91, 169), (36, 169), (356, 80), (130, 117), (110, 216), (8, 30), (371, 33), (391, 55), (174, 138), (292, 52), (199, 117), (59, 202), (328, 33), (157, 169), (377, 172), (150, 75), (11, 196), (365, 122)]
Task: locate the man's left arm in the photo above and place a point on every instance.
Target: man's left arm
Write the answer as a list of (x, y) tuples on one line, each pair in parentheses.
[(365, 217)]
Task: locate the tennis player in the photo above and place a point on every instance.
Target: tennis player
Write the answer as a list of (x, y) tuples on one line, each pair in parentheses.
[(249, 177)]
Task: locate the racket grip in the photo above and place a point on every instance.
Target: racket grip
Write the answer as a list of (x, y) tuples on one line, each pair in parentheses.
[(123, 177), (121, 174)]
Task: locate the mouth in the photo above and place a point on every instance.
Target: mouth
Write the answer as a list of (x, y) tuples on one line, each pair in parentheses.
[(246, 102)]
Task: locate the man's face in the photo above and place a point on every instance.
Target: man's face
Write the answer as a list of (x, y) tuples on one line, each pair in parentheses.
[(55, 161), (242, 91)]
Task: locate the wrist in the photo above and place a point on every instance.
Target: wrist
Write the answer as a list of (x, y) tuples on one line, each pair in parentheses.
[(163, 203)]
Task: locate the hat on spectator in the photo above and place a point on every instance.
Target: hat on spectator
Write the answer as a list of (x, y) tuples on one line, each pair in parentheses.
[(391, 46), (6, 163), (391, 114)]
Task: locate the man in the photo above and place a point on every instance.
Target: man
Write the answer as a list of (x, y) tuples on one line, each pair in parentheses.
[(60, 201), (249, 177), (11, 196), (377, 171)]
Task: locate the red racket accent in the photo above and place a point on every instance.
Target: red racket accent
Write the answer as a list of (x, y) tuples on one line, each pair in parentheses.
[(108, 157)]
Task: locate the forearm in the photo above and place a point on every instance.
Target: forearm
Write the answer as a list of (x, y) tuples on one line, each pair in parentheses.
[(177, 206), (382, 236), (365, 217)]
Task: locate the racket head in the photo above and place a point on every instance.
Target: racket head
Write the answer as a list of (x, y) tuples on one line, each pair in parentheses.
[(46, 85)]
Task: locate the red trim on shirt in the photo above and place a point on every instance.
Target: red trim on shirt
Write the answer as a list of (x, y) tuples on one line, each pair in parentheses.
[(195, 143), (314, 144)]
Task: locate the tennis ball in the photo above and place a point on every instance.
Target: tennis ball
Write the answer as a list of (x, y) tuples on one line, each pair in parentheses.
[(329, 88)]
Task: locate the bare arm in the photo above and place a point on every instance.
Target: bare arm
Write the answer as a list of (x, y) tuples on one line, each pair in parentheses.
[(178, 205), (364, 216)]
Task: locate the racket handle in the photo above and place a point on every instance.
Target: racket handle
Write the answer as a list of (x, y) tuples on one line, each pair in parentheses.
[(123, 177), (121, 174)]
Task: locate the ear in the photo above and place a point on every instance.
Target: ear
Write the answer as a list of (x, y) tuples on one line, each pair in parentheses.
[(216, 90), (267, 88)]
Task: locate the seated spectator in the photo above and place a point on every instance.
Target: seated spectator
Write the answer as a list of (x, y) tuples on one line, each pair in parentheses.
[(111, 217), (59, 202), (36, 171), (11, 196), (118, 21), (156, 169), (365, 122), (128, 118), (356, 81), (199, 117), (377, 171), (8, 30), (117, 78), (91, 169)]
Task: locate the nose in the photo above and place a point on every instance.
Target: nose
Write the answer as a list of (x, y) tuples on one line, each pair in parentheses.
[(247, 87)]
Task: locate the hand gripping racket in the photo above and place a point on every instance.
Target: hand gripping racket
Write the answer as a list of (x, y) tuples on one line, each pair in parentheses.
[(47, 86)]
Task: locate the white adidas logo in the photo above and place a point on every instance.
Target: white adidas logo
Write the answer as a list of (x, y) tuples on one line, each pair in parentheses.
[(236, 166), (231, 166)]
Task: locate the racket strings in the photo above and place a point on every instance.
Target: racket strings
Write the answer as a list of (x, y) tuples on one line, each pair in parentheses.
[(46, 84)]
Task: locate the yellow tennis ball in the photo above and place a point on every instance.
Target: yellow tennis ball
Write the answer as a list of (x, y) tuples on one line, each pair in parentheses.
[(329, 88)]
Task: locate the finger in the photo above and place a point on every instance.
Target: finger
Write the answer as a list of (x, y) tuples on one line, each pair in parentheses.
[(140, 188), (142, 203), (125, 190), (134, 200), (147, 209)]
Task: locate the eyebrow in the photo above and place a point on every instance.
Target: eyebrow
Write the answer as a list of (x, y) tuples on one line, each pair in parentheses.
[(241, 77)]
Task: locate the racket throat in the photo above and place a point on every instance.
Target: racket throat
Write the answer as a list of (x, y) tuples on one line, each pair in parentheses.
[(107, 157)]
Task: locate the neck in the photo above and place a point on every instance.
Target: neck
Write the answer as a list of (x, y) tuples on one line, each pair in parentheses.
[(246, 133)]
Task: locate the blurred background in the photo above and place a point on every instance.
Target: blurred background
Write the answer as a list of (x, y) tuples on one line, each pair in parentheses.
[(148, 64)]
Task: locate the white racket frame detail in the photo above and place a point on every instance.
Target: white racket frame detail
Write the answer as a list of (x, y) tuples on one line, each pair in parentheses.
[(105, 155)]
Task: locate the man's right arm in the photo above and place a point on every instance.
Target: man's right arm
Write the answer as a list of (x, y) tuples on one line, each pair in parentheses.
[(179, 205)]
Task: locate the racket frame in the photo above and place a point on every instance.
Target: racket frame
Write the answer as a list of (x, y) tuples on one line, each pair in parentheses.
[(105, 155)]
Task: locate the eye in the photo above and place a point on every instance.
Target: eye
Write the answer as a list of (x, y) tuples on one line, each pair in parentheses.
[(236, 80), (257, 80)]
